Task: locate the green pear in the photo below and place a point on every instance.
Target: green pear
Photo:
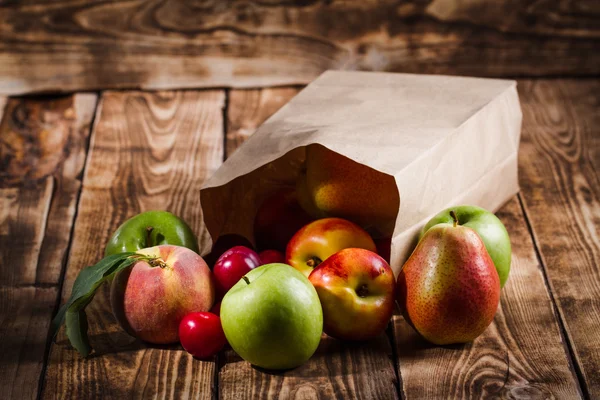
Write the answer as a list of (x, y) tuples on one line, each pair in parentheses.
[(488, 227), (449, 289)]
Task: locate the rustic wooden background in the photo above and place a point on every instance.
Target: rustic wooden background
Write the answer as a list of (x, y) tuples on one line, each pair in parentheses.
[(74, 165), (69, 45)]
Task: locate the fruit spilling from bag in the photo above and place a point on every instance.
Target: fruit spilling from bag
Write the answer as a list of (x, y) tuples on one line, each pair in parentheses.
[(318, 270)]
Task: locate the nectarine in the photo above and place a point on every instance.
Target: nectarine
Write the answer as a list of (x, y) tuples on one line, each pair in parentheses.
[(150, 299)]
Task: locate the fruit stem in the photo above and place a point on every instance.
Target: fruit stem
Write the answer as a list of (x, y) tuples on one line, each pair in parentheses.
[(454, 217), (157, 262), (149, 230), (313, 262), (246, 279), (362, 291)]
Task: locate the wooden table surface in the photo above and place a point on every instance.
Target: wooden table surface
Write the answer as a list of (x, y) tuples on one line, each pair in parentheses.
[(73, 167)]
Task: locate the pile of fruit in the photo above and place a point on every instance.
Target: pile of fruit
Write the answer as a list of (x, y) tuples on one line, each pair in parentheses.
[(310, 276)]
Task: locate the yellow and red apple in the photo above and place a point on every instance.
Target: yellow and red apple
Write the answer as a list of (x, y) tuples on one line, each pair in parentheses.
[(315, 242), (149, 299), (357, 292), (336, 186)]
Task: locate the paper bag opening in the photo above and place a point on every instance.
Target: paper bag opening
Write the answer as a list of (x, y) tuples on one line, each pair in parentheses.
[(324, 183)]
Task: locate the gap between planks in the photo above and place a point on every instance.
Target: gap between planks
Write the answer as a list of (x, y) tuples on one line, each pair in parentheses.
[(173, 126), (49, 132), (559, 163), (92, 124), (337, 368), (575, 368)]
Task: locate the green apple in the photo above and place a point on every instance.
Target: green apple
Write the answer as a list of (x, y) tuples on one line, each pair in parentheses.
[(151, 228), (490, 229), (272, 317)]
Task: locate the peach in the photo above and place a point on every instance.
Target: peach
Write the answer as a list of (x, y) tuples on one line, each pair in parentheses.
[(149, 299)]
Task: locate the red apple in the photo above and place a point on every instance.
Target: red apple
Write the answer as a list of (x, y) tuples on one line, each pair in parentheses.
[(201, 334), (271, 257), (357, 292), (224, 243), (149, 299), (277, 219), (232, 265), (315, 242)]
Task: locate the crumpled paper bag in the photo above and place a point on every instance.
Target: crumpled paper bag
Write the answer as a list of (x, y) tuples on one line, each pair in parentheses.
[(445, 140)]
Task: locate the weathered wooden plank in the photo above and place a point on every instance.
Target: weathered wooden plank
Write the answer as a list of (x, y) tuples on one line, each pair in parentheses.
[(25, 314), (43, 143), (521, 355), (148, 151), (67, 187), (559, 163), (337, 370), (23, 215), (69, 45), (25, 309)]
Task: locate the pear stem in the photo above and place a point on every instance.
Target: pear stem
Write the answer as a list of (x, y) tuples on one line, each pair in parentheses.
[(149, 230), (246, 279), (454, 217)]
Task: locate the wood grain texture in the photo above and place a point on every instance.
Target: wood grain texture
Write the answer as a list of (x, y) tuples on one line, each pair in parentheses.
[(25, 314), (521, 355), (249, 108), (71, 45), (559, 166), (35, 140), (337, 370), (148, 151), (43, 144), (38, 194), (67, 177), (23, 215), (25, 308)]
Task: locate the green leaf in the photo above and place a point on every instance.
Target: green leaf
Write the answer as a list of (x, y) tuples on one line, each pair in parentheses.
[(77, 327), (84, 283), (84, 289)]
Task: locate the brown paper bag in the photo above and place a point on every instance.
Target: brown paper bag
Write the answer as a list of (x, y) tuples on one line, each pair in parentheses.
[(445, 140)]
